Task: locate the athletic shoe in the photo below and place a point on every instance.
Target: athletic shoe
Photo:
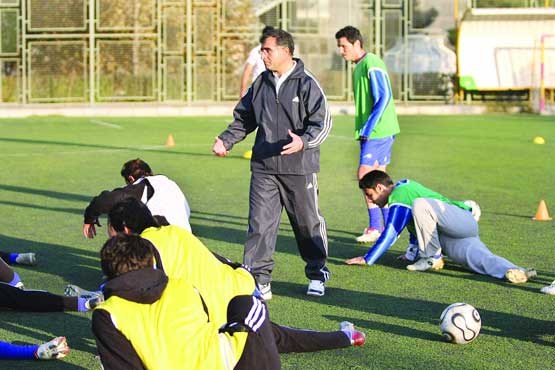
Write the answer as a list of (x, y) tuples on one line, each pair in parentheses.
[(265, 291), (20, 285), (549, 289), (427, 263), (475, 209), (316, 288), (26, 259), (356, 337), (76, 291), (55, 349), (518, 276), (368, 236)]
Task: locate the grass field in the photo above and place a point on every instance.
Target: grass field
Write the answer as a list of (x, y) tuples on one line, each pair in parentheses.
[(52, 166)]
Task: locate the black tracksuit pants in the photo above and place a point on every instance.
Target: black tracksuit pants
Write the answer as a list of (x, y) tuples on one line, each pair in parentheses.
[(298, 194)]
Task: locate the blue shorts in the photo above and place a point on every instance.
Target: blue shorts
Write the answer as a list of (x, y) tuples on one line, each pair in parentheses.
[(372, 150)]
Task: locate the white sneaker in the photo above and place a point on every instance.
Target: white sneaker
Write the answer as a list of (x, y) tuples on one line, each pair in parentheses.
[(76, 291), (265, 291), (518, 276), (56, 348), (427, 263), (369, 236), (549, 289), (316, 288), (26, 259), (475, 209)]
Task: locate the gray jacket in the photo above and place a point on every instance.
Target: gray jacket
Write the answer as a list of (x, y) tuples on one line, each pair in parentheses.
[(300, 106)]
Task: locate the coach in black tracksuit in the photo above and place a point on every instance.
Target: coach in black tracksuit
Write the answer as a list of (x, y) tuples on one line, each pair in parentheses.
[(288, 107)]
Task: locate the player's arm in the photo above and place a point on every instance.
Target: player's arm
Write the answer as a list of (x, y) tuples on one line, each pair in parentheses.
[(399, 216), (381, 95), (104, 202), (318, 122), (116, 351), (243, 123)]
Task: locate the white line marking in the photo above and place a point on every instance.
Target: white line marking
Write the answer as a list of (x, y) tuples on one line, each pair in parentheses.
[(106, 124)]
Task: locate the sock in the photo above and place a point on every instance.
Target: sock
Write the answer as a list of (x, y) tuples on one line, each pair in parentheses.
[(13, 257), (16, 279), (81, 304), (10, 351), (385, 213), (375, 218), (413, 239)]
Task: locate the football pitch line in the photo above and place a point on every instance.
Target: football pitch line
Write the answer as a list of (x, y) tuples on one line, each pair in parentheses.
[(105, 124)]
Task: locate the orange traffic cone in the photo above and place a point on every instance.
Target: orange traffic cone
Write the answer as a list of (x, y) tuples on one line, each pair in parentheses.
[(170, 142), (542, 214)]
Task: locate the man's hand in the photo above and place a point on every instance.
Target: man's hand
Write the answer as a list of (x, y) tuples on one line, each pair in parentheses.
[(89, 231), (219, 148), (356, 261), (296, 144)]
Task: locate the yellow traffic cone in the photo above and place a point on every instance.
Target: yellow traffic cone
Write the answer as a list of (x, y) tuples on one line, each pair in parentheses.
[(542, 214), (170, 142)]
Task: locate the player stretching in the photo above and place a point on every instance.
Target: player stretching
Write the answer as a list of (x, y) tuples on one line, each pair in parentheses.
[(441, 225), (375, 118)]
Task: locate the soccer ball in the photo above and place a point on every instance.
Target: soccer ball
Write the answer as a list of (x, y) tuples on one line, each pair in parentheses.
[(460, 323)]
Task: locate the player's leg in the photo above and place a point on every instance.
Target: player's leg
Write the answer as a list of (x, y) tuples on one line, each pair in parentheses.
[(264, 214), (300, 198), (19, 258), (474, 255), (375, 154), (9, 276), (302, 340), (433, 217)]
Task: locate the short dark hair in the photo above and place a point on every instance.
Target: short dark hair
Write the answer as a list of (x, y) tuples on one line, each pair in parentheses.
[(133, 214), (125, 253), (267, 29), (351, 33), (136, 168), (373, 178), (283, 38)]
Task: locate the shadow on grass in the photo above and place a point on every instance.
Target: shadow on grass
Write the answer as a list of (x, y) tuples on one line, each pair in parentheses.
[(81, 267), (499, 324), (34, 206), (46, 193), (114, 147)]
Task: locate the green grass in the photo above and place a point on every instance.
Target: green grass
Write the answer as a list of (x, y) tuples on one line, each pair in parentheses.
[(52, 166)]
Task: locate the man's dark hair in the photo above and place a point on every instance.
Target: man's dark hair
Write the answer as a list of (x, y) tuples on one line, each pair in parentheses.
[(133, 214), (125, 253), (283, 38), (373, 178), (136, 168), (351, 33), (266, 30)]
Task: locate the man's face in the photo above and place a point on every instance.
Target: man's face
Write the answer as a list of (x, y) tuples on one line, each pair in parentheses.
[(275, 57), (349, 52), (378, 195)]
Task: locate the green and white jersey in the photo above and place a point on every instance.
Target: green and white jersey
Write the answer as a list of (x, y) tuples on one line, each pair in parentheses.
[(375, 115), (406, 191)]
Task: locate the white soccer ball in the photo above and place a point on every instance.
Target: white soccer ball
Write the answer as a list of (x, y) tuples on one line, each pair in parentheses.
[(460, 323)]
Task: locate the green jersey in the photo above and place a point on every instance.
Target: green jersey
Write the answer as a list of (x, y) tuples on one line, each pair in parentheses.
[(406, 191), (375, 115)]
